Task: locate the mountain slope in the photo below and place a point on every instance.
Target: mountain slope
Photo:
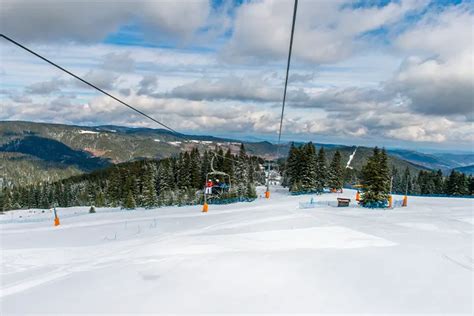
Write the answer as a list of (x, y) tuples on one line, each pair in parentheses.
[(84, 149), (50, 150)]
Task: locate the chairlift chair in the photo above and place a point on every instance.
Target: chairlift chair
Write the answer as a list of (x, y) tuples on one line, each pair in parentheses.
[(217, 190)]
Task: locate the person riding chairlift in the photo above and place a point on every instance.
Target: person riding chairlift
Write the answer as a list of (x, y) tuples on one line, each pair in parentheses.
[(209, 186)]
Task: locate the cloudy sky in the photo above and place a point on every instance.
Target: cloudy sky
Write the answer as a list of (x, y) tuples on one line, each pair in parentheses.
[(387, 73)]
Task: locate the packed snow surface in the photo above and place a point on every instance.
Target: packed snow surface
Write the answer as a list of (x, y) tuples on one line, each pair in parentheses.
[(264, 256)]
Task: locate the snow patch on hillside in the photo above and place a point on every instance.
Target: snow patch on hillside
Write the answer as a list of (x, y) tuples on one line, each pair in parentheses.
[(87, 132)]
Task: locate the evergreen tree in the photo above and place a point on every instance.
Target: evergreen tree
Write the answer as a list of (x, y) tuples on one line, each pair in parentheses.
[(321, 170), (251, 191), (438, 182), (308, 171), (336, 172), (293, 166), (7, 203), (165, 176), (228, 164), (1, 198), (150, 198), (195, 169), (375, 180), (471, 185), (406, 182), (205, 168), (100, 199), (241, 173), (130, 203), (184, 167)]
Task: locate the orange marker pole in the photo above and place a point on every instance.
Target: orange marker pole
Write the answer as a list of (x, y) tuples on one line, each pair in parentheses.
[(205, 207), (405, 201), (390, 200), (56, 218), (357, 196), (267, 194)]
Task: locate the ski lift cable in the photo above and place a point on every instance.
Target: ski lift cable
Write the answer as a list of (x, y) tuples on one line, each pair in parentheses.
[(287, 73), (284, 91), (102, 91)]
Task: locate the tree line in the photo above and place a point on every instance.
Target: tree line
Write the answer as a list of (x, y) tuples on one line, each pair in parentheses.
[(145, 183), (179, 180), (432, 182), (307, 170)]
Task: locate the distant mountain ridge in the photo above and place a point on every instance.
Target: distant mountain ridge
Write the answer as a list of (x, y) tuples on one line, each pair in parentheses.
[(79, 149), (466, 169)]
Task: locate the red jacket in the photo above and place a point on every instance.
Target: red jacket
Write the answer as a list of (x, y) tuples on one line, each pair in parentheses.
[(209, 184)]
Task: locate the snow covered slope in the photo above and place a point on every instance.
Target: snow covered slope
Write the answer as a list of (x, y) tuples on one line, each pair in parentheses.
[(264, 256)]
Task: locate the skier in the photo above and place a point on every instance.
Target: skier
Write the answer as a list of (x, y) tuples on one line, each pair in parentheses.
[(209, 186)]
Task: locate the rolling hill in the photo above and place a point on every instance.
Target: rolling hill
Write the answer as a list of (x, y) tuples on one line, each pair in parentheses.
[(64, 150)]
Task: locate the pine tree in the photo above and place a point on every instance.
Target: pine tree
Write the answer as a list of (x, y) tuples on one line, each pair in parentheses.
[(308, 171), (195, 169), (7, 202), (150, 198), (438, 182), (241, 172), (130, 203), (336, 172), (205, 166), (293, 166), (100, 199), (228, 164), (471, 185), (166, 180), (251, 191), (376, 180), (321, 170), (1, 198), (183, 171), (406, 182)]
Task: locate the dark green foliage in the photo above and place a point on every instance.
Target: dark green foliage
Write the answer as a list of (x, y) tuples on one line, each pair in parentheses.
[(306, 171), (375, 180), (321, 170), (336, 172), (130, 203), (471, 185), (457, 184), (6, 200), (145, 183), (100, 199)]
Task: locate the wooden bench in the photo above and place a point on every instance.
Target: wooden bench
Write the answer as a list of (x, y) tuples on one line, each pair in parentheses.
[(343, 202)]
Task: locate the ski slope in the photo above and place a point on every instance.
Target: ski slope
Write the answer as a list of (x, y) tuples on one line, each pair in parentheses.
[(265, 256)]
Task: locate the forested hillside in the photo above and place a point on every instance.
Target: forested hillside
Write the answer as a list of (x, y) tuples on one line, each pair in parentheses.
[(147, 183), (57, 149)]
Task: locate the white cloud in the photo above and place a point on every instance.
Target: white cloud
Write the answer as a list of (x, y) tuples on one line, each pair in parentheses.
[(438, 75), (228, 88), (325, 31), (91, 21), (148, 85), (414, 87)]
